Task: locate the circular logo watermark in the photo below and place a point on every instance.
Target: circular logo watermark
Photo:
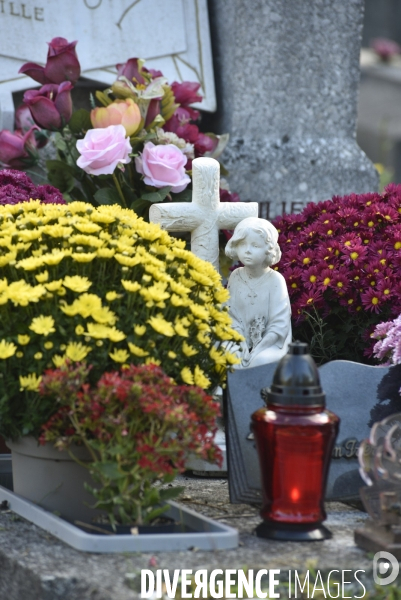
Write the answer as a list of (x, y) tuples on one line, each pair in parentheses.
[(385, 568)]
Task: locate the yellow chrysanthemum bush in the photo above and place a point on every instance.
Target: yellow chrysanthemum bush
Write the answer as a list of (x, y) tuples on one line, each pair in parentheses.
[(100, 285)]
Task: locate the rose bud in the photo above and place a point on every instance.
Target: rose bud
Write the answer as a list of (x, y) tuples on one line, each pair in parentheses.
[(51, 106), (62, 64), (16, 148), (121, 112)]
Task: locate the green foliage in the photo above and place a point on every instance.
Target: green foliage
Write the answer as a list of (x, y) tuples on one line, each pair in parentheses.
[(80, 121)]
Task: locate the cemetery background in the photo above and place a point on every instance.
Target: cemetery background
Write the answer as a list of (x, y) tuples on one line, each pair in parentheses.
[(48, 579)]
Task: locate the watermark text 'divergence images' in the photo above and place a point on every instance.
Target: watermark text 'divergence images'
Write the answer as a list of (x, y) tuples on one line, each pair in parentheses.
[(239, 583)]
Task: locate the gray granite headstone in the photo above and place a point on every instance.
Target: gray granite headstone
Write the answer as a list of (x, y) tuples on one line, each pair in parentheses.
[(358, 394), (288, 75)]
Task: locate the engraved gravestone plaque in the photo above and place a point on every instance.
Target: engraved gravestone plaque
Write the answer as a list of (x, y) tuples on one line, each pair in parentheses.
[(171, 36), (358, 394)]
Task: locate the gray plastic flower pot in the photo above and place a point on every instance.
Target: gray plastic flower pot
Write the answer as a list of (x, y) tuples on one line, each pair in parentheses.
[(208, 535)]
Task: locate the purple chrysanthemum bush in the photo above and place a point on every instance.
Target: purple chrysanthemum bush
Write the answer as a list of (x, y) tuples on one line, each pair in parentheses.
[(341, 259), (16, 186)]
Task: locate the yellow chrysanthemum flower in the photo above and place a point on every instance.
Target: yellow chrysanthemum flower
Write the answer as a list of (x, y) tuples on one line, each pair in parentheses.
[(42, 277), (120, 356), (151, 360), (131, 286), (188, 350), (180, 329), (30, 382), (21, 293), (30, 264), (87, 227), (83, 257), (76, 351), (200, 378), (179, 300), (43, 325), (203, 339), (104, 315), (54, 286), (100, 331), (171, 354), (137, 351), (187, 376), (38, 356), (179, 288), (201, 277), (7, 349), (217, 356), (222, 295), (8, 258), (111, 296), (105, 252), (199, 311), (55, 257), (23, 339), (76, 283), (156, 292), (48, 345), (58, 360), (162, 326), (85, 306), (140, 329), (128, 261)]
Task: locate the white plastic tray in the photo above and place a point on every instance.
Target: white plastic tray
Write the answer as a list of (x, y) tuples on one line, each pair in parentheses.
[(210, 535)]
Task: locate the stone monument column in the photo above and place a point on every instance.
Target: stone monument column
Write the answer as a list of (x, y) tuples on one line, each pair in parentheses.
[(287, 74)]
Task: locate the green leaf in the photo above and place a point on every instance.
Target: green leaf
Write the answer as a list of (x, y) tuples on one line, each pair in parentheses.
[(141, 207), (109, 470), (157, 196), (107, 196), (156, 512), (184, 196), (80, 121), (60, 175)]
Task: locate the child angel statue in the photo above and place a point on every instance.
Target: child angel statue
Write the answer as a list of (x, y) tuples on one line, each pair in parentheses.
[(259, 304)]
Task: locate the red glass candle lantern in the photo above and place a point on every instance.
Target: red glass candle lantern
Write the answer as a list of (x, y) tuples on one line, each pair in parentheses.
[(294, 437)]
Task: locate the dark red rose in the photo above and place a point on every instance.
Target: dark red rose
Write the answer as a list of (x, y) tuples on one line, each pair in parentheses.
[(51, 106), (62, 64)]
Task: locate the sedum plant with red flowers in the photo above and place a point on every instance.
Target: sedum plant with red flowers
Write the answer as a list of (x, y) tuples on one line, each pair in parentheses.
[(341, 259), (139, 428)]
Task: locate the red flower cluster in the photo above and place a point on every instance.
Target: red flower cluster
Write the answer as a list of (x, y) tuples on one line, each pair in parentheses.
[(341, 259), (163, 422)]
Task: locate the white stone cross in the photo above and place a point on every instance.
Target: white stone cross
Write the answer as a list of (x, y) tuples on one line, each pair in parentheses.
[(205, 215)]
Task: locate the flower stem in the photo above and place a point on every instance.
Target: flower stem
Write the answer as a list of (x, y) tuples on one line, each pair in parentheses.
[(119, 190)]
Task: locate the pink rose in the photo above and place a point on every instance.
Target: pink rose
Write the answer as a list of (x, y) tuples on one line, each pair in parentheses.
[(102, 149), (163, 165)]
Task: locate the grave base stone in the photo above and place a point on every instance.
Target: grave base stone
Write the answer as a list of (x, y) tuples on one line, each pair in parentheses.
[(358, 394)]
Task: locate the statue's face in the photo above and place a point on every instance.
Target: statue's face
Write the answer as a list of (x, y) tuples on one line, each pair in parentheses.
[(251, 250)]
